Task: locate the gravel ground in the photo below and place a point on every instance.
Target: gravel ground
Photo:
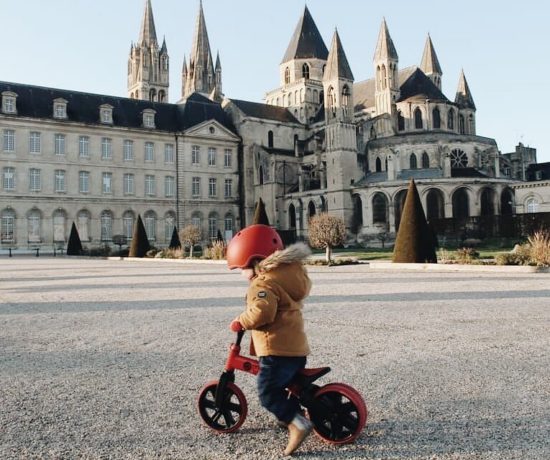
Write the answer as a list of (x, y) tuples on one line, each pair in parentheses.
[(103, 359)]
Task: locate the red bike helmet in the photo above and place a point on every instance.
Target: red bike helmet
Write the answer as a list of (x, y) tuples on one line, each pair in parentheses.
[(253, 242)]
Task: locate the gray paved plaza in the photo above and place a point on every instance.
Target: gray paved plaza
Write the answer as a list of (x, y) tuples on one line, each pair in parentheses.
[(105, 359)]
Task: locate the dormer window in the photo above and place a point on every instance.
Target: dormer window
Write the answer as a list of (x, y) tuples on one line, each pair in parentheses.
[(60, 109), (149, 118), (106, 114), (9, 102)]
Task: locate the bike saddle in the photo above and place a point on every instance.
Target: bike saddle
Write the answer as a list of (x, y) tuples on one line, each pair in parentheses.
[(307, 376)]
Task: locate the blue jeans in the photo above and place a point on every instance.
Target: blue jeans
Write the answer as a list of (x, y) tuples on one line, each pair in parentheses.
[(275, 374)]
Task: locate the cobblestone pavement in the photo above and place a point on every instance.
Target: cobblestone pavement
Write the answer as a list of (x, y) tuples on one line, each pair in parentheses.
[(104, 359)]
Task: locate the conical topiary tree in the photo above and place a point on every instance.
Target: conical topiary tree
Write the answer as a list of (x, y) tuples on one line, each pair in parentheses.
[(414, 242), (140, 243), (260, 216), (74, 246), (175, 242)]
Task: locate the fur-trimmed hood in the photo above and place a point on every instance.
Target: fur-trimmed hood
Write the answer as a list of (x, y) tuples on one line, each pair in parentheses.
[(294, 253)]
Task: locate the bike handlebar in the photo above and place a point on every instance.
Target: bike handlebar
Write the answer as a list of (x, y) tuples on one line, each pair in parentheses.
[(240, 335)]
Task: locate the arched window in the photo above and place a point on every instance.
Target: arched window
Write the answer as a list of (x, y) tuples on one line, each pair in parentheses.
[(59, 225), (305, 71), (169, 225), (471, 125), (106, 226), (150, 224), (261, 175), (436, 116), (287, 76), (435, 205), (321, 97), (379, 209), (270, 139), (487, 202), (291, 216), (357, 216), (451, 119), (378, 164), (384, 77), (399, 203), (34, 218), (400, 121), (532, 205), (311, 209), (229, 223), (331, 102), (345, 96), (425, 161), (162, 98), (83, 219), (152, 94), (461, 124), (412, 161), (7, 226), (128, 219), (506, 202), (461, 204), (213, 225), (196, 220), (372, 132), (418, 118)]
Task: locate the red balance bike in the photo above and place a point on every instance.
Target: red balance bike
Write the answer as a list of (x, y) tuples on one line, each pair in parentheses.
[(337, 411)]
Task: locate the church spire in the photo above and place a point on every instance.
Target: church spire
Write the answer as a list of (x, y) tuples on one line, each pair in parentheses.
[(337, 62), (148, 65), (306, 42), (148, 34), (385, 48), (430, 64), (464, 97), (201, 73)]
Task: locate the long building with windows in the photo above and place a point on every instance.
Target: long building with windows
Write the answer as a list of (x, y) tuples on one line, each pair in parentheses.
[(320, 141)]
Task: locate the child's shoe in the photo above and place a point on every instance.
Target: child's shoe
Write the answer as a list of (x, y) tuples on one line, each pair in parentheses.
[(298, 430)]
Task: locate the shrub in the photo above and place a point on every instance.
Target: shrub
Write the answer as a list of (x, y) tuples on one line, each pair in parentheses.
[(338, 261), (190, 236), (539, 244), (445, 257), (152, 252), (216, 251), (507, 258), (74, 247), (140, 242), (99, 251), (466, 255)]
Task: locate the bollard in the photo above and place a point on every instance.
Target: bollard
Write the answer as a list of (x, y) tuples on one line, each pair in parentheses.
[(37, 250), (9, 250)]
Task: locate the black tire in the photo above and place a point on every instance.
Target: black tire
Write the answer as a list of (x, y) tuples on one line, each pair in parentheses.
[(232, 413)]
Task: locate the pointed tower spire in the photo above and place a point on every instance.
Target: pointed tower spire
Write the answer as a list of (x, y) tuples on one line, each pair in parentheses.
[(337, 62), (148, 34), (338, 84), (148, 65), (464, 97), (306, 42), (201, 76), (430, 64), (385, 48), (385, 67)]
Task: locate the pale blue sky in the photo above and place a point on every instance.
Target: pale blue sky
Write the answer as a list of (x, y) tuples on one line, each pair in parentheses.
[(503, 47)]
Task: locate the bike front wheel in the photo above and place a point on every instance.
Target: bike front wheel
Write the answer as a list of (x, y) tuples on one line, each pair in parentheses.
[(230, 415), (343, 415)]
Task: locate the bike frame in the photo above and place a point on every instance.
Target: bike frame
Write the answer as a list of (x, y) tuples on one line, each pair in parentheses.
[(235, 361)]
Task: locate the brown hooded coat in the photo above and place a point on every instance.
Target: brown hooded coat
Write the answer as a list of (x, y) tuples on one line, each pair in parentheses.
[(274, 303)]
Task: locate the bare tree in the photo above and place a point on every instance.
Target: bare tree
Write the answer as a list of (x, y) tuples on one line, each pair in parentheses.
[(326, 231), (190, 235)]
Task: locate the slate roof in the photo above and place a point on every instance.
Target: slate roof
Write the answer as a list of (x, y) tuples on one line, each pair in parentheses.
[(428, 173), (265, 111), (37, 102), (306, 42), (418, 85), (363, 91), (337, 62), (466, 172)]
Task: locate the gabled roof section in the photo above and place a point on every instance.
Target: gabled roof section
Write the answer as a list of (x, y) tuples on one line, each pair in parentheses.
[(148, 34), (306, 42), (418, 85), (198, 109), (337, 62), (385, 48), (464, 97), (264, 111), (430, 63), (36, 102)]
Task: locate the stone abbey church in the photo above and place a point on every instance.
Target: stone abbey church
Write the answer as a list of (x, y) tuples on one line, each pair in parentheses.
[(321, 141)]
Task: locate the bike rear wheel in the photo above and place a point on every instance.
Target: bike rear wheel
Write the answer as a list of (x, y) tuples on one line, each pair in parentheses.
[(343, 416), (232, 412)]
